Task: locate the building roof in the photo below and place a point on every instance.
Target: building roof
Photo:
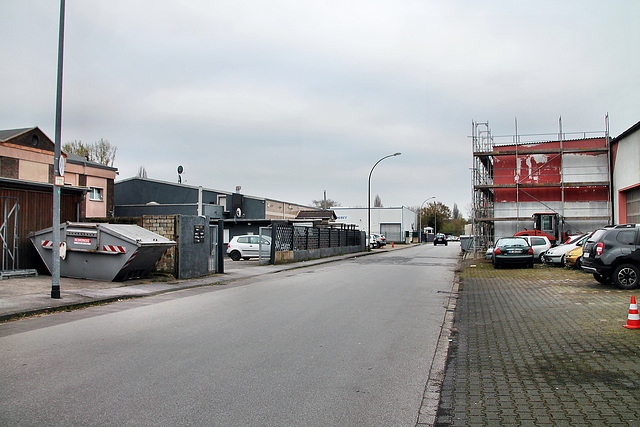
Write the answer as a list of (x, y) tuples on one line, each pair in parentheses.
[(196, 187), (8, 134), (627, 132), (76, 159), (317, 214)]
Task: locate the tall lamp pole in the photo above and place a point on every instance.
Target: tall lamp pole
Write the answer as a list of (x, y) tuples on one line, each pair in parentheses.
[(420, 213), (369, 200), (58, 181)]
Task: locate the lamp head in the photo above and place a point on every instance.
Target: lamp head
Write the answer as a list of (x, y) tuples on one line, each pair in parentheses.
[(397, 154)]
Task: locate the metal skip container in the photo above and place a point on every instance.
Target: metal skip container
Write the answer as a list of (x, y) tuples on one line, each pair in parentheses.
[(109, 252)]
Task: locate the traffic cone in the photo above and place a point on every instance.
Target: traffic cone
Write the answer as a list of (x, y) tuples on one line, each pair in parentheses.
[(633, 321)]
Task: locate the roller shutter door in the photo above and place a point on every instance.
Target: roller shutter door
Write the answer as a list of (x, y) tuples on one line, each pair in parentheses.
[(393, 232), (633, 206)]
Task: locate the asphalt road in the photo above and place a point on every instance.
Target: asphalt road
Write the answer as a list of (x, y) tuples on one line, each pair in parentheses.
[(345, 343)]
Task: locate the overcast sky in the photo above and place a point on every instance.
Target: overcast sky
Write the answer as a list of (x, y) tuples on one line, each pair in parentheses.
[(289, 98)]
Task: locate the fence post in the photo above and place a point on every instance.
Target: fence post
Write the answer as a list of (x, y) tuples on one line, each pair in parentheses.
[(274, 238)]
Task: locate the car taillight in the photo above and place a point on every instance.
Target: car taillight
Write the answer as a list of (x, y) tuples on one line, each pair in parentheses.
[(497, 251), (530, 251), (599, 248)]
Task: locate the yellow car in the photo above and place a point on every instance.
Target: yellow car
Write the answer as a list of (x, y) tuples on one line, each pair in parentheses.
[(573, 258)]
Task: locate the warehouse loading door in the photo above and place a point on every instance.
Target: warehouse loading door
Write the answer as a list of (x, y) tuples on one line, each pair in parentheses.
[(393, 232), (633, 206)]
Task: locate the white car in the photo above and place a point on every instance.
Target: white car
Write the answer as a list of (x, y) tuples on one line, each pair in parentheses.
[(249, 246), (556, 254), (540, 245), (378, 240)]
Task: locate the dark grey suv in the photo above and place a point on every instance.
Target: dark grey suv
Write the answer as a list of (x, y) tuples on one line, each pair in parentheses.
[(612, 254)]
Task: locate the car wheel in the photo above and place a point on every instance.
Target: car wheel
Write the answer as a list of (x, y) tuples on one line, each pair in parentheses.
[(578, 264), (541, 258), (496, 264), (446, 244), (235, 255), (562, 261), (602, 279), (626, 276), (530, 265)]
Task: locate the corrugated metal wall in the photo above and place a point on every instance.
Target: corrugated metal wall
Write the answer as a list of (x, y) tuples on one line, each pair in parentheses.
[(36, 213)]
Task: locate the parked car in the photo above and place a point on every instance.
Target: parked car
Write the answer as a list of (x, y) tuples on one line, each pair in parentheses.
[(612, 254), (540, 245), (512, 250), (489, 253), (556, 254), (573, 258), (440, 239), (379, 239), (249, 246)]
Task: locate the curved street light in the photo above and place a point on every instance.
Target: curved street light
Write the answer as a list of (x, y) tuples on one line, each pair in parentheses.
[(420, 213), (369, 200)]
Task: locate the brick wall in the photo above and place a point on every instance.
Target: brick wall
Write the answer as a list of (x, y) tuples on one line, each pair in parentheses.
[(166, 226)]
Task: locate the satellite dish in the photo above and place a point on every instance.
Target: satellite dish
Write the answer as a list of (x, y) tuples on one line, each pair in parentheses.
[(180, 170)]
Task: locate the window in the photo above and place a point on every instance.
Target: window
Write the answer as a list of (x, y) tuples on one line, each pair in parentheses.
[(95, 194), (626, 237)]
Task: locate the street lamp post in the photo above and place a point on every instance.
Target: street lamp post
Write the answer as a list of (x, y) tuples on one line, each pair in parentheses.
[(369, 200), (420, 213)]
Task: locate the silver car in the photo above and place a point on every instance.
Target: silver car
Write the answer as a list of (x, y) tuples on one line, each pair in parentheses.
[(556, 254), (249, 246)]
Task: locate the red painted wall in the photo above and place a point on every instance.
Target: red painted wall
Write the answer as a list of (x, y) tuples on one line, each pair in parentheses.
[(541, 169)]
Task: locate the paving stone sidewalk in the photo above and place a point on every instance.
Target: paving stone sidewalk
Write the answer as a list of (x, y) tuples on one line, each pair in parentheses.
[(540, 347)]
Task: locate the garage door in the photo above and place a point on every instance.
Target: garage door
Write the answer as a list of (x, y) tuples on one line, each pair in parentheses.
[(393, 232), (633, 206)]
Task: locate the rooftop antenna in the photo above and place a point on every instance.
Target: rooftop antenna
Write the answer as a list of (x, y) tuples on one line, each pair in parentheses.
[(180, 170)]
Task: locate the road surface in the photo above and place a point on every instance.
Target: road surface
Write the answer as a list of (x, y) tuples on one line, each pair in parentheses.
[(343, 343)]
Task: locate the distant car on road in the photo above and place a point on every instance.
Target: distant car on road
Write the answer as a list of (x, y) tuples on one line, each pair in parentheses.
[(440, 239), (512, 250), (249, 246)]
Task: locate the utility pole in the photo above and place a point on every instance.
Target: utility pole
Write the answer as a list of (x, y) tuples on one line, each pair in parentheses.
[(58, 180)]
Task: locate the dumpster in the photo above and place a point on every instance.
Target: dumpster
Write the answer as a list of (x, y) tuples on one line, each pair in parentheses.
[(110, 252)]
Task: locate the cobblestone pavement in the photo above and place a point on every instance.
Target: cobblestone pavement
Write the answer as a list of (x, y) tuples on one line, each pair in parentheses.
[(540, 347)]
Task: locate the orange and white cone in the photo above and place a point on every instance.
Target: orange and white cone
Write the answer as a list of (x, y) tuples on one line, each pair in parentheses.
[(633, 321)]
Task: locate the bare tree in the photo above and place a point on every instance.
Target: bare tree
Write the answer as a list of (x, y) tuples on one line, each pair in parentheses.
[(100, 151), (142, 172), (320, 204)]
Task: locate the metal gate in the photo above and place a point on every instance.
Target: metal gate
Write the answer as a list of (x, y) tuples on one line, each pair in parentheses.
[(9, 232), (264, 232), (213, 253)]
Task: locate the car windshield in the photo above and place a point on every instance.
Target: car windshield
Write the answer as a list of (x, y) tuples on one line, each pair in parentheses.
[(512, 242), (576, 239)]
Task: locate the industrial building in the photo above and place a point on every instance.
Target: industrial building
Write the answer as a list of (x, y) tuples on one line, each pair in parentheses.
[(516, 176), (397, 224), (625, 158)]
